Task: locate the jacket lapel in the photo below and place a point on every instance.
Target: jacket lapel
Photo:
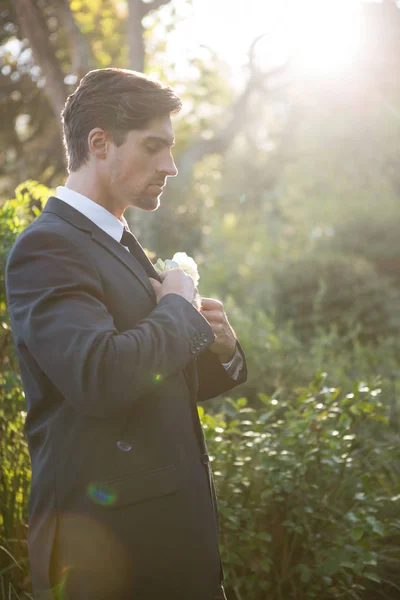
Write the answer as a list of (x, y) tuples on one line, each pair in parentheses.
[(78, 220), (68, 213), (107, 242)]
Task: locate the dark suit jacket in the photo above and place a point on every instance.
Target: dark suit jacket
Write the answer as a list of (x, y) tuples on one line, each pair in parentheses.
[(122, 500)]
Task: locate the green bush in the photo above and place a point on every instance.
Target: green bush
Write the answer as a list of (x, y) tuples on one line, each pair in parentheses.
[(279, 361), (307, 479), (308, 495), (373, 239), (322, 290), (15, 215)]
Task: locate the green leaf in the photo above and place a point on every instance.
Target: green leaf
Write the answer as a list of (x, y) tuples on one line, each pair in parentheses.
[(241, 402), (357, 533), (305, 573), (373, 577)]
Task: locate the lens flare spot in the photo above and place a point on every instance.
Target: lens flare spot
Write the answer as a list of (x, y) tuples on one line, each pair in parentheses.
[(101, 494), (157, 378)]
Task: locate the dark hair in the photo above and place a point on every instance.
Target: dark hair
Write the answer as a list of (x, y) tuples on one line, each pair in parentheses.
[(117, 100)]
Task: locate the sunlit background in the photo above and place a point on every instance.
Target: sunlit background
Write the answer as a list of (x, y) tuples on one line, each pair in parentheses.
[(288, 198), (321, 37)]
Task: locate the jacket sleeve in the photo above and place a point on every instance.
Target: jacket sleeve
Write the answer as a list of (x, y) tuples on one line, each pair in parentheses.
[(58, 315), (213, 377)]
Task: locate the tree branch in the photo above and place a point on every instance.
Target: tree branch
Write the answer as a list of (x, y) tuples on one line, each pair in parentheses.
[(238, 118), (220, 143), (33, 27), (82, 59), (137, 10), (154, 5), (135, 33)]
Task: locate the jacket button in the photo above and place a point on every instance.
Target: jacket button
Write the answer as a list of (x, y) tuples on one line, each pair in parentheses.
[(124, 446), (205, 459)]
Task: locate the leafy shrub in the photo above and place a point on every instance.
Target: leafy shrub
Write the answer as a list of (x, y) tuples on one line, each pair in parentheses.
[(319, 291), (305, 512), (15, 215), (373, 239), (308, 492), (279, 361)]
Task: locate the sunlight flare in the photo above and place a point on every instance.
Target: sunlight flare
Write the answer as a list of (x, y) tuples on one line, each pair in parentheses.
[(320, 37)]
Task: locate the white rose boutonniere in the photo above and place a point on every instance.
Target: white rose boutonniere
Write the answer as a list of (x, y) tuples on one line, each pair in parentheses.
[(182, 261)]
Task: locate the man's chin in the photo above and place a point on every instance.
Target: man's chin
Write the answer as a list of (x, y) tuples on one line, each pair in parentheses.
[(149, 203)]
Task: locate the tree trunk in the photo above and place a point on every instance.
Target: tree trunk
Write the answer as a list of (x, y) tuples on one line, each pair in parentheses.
[(137, 9), (135, 36), (34, 28), (82, 59)]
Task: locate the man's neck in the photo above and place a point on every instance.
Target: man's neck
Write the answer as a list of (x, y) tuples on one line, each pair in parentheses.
[(84, 185)]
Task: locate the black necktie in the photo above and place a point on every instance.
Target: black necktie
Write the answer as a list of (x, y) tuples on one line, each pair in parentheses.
[(129, 240)]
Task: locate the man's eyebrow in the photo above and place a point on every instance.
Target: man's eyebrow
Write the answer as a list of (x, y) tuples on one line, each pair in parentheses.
[(160, 138)]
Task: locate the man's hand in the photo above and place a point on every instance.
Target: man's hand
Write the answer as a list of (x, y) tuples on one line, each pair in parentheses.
[(224, 345), (174, 281)]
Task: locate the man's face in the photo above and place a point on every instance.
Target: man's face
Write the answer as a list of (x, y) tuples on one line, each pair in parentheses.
[(138, 169)]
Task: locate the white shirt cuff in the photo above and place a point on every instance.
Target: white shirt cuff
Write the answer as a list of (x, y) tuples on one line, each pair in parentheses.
[(234, 366)]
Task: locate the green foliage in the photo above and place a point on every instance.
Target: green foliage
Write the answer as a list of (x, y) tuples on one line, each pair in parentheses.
[(103, 24), (15, 215), (308, 492), (279, 361), (322, 290), (307, 475), (295, 228), (376, 240)]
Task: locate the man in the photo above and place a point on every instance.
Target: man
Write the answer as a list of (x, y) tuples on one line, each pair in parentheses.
[(113, 359)]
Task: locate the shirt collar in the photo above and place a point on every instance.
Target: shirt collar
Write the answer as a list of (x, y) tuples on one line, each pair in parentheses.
[(93, 211)]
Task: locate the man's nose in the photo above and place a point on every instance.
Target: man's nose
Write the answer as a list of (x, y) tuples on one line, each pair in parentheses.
[(169, 167)]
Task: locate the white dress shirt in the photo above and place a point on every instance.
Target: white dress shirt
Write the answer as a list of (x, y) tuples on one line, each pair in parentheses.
[(101, 217)]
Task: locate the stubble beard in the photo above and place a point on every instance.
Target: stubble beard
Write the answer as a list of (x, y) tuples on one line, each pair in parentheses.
[(122, 189), (148, 202), (142, 201)]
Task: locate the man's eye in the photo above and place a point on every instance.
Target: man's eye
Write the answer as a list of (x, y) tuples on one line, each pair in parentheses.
[(152, 149)]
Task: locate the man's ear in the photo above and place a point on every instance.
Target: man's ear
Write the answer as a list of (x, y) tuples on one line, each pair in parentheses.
[(98, 143)]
